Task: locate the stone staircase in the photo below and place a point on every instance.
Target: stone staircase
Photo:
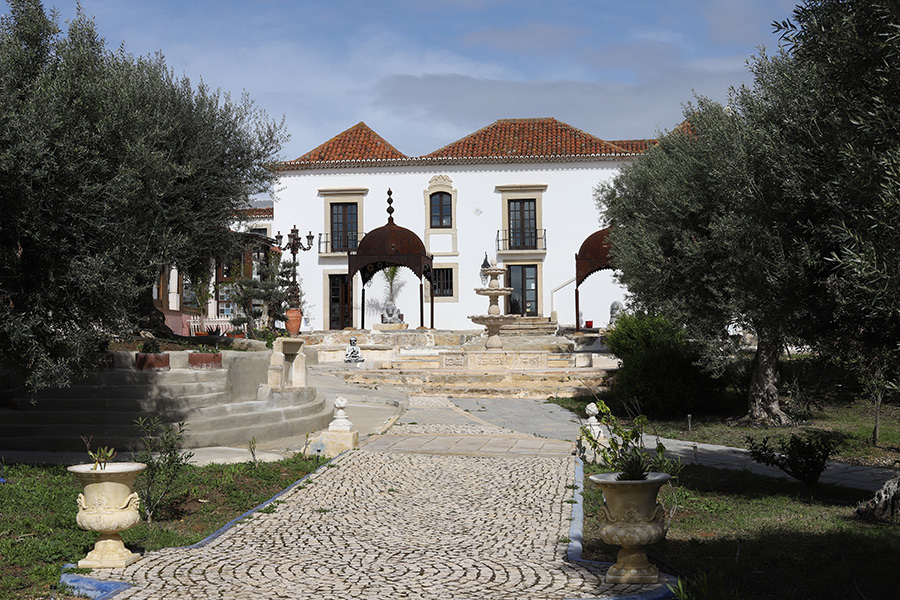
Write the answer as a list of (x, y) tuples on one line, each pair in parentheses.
[(530, 326), (500, 384), (105, 406)]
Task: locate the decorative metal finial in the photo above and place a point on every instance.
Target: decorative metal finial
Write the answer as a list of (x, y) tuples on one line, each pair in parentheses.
[(390, 209), (486, 264)]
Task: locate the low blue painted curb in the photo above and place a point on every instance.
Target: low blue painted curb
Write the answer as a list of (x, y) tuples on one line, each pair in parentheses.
[(97, 589)]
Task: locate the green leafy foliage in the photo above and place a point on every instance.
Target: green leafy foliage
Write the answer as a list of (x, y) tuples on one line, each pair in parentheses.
[(164, 461), (802, 457), (659, 369), (149, 346), (111, 168), (632, 465), (270, 288), (624, 450)]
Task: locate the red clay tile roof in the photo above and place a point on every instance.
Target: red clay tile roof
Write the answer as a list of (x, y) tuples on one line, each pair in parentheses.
[(527, 137), (506, 140), (357, 143), (259, 213), (634, 146)]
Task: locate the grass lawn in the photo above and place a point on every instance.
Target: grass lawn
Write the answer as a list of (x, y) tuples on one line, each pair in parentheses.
[(38, 534), (753, 537), (851, 418)]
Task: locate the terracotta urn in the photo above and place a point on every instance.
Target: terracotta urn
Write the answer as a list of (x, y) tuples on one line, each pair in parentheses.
[(149, 361), (631, 518), (294, 320), (205, 360), (108, 505)]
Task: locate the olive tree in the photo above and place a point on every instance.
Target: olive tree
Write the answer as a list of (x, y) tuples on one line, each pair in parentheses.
[(704, 231), (110, 167)]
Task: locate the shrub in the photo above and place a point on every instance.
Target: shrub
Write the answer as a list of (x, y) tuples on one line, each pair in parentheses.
[(164, 463), (802, 457), (659, 369)]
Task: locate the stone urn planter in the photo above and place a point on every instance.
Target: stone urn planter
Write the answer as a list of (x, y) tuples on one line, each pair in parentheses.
[(108, 505), (205, 360), (631, 518)]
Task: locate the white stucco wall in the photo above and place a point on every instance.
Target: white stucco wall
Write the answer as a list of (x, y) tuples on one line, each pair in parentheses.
[(567, 209)]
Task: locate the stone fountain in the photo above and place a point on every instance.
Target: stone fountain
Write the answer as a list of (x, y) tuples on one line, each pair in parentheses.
[(493, 321)]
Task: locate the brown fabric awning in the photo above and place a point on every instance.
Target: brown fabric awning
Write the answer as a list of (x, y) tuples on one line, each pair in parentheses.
[(593, 256)]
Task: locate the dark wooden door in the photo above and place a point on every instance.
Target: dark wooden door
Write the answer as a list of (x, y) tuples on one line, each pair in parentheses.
[(340, 305)]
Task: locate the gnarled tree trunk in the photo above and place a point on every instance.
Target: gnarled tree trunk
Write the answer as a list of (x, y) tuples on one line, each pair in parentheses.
[(762, 401)]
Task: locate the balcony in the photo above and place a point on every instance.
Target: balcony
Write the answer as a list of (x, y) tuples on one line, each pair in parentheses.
[(511, 240), (339, 243)]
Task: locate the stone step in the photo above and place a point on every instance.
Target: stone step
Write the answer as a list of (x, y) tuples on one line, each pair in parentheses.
[(62, 430), (530, 326), (506, 384), (156, 401), (120, 391), (416, 362)]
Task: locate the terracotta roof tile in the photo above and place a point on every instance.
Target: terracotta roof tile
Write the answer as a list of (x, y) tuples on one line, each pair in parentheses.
[(357, 143), (527, 137), (506, 140), (259, 213), (634, 146)]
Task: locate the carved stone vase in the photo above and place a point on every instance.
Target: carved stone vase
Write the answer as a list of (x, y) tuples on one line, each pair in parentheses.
[(294, 320), (631, 518), (108, 505)]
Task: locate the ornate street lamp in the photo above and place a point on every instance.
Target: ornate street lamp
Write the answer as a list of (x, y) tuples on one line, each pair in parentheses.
[(294, 245)]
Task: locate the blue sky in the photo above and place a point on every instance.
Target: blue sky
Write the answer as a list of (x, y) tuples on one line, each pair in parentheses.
[(424, 73)]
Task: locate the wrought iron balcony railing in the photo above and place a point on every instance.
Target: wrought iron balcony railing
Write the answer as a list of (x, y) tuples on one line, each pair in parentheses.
[(340, 242), (521, 239)]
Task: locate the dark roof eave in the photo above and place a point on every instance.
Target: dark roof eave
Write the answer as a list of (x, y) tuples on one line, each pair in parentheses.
[(451, 160)]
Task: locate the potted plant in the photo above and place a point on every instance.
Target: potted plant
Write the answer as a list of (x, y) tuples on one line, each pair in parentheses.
[(205, 358), (150, 358), (631, 516), (108, 506)]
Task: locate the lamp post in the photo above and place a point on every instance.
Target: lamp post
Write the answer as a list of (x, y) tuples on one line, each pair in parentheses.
[(294, 245)]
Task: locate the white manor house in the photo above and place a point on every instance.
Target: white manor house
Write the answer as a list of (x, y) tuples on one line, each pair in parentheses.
[(519, 191)]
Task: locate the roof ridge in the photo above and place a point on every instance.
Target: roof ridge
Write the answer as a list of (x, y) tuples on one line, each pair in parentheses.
[(357, 142)]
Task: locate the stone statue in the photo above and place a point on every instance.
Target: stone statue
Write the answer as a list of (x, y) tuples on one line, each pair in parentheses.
[(615, 309), (352, 354), (390, 314)]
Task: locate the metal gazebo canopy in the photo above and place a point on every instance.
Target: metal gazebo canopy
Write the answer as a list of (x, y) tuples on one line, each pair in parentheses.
[(593, 256), (388, 246)]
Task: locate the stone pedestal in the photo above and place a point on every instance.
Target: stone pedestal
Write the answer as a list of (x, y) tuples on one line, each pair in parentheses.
[(339, 437), (329, 444), (287, 367)]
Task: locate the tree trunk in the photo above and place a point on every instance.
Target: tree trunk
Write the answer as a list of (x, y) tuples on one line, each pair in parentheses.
[(762, 401)]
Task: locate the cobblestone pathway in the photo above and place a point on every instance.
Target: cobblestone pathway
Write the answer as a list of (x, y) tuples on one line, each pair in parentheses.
[(396, 520)]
